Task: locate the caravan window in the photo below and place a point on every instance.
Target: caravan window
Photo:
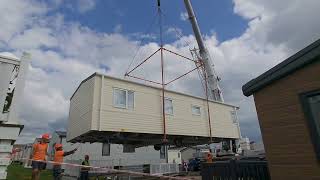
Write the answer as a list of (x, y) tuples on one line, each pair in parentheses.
[(196, 110), (130, 99), (123, 98), (168, 106)]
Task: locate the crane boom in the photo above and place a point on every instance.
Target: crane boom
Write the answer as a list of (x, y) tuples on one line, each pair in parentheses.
[(212, 78)]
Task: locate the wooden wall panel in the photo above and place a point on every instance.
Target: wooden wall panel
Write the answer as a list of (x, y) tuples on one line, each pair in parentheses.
[(284, 128)]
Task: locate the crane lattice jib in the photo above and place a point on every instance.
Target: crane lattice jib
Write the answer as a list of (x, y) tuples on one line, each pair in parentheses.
[(212, 78)]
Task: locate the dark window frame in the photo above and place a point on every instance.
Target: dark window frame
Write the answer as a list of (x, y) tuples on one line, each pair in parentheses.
[(106, 149), (315, 136)]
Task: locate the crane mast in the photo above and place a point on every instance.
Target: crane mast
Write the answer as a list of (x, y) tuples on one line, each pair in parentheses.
[(214, 92)]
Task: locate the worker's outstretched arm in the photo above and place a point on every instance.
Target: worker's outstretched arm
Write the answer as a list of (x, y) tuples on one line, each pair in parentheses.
[(69, 152)]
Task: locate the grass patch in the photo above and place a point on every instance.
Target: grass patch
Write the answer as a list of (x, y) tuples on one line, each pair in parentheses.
[(16, 171)]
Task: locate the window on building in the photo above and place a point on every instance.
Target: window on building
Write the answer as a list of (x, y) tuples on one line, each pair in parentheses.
[(127, 148), (106, 149), (178, 155), (196, 110), (163, 152), (130, 99), (168, 107), (123, 98), (311, 107), (234, 116)]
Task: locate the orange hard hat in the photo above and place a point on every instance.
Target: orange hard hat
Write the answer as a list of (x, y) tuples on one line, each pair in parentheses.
[(58, 146), (45, 136)]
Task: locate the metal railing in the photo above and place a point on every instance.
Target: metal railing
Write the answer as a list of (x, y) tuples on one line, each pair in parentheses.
[(164, 168), (72, 171), (153, 169), (235, 170)]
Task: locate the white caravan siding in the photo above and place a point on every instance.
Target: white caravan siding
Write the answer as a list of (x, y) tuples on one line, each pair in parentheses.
[(80, 112), (146, 116)]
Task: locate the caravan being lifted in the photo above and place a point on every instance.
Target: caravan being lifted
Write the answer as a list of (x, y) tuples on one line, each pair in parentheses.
[(111, 110)]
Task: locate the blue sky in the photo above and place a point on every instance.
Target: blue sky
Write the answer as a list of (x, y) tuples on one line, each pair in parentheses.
[(135, 16), (71, 39)]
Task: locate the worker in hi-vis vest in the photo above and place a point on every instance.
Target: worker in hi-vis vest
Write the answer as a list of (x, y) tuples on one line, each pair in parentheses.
[(38, 156), (84, 174), (58, 159)]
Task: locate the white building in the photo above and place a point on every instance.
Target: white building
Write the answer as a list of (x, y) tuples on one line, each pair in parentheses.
[(107, 109), (174, 156), (17, 153), (27, 151), (115, 157), (244, 143), (178, 155), (257, 147), (12, 78)]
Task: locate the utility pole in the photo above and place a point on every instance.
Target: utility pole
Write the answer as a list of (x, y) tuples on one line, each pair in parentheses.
[(212, 78)]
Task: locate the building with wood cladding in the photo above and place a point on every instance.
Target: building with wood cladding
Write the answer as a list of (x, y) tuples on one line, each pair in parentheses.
[(287, 99), (112, 110)]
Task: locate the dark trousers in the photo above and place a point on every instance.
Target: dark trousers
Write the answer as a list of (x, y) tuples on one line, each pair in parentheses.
[(57, 172), (38, 165), (84, 175)]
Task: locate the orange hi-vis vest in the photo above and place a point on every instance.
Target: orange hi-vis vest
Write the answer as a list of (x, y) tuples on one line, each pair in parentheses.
[(40, 151), (58, 156)]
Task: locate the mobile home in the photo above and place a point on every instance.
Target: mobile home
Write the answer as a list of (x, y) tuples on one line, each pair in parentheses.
[(107, 109)]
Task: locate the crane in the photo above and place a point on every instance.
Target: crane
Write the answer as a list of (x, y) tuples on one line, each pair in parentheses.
[(214, 92)]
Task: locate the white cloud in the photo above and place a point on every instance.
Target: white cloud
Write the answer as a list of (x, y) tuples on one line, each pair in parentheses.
[(34, 38), (176, 32), (13, 16), (184, 16), (86, 5), (142, 36), (248, 9), (117, 28), (291, 23), (275, 30)]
